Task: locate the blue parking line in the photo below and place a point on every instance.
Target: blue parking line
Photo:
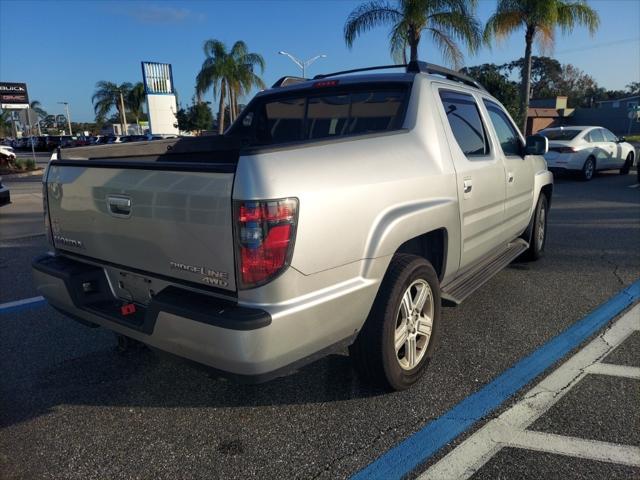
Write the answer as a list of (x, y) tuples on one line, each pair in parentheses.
[(422, 445), (23, 304)]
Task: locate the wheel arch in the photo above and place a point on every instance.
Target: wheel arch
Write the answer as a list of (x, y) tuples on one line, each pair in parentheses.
[(425, 228), (432, 246)]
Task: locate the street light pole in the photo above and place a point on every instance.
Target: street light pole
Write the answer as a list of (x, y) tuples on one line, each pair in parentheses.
[(300, 63), (66, 107)]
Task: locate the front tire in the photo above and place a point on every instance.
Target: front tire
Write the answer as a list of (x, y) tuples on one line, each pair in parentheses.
[(627, 165), (588, 169), (397, 341)]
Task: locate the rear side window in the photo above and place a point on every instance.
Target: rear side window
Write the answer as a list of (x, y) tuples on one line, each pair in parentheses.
[(608, 136), (507, 134), (596, 135), (314, 115), (466, 124)]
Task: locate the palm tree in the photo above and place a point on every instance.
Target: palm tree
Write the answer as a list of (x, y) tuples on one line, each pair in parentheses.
[(633, 88), (135, 101), (6, 122), (229, 74), (109, 95), (244, 77), (36, 106), (539, 19), (446, 21)]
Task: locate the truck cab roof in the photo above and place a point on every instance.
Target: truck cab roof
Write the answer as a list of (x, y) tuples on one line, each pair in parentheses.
[(356, 76)]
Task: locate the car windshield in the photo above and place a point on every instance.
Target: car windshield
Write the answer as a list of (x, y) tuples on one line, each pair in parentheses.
[(560, 134)]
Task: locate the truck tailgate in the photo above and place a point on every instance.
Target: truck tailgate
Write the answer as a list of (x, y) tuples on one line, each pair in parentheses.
[(170, 222)]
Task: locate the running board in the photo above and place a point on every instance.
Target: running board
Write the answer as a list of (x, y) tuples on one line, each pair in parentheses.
[(455, 291)]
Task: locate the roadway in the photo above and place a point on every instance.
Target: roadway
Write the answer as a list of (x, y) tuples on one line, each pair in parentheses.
[(73, 406)]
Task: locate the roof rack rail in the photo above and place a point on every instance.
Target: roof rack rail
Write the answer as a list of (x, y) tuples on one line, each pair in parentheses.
[(424, 67), (366, 69), (414, 67), (288, 80)]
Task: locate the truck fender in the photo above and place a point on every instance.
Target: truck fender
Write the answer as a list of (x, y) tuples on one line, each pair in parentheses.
[(400, 223)]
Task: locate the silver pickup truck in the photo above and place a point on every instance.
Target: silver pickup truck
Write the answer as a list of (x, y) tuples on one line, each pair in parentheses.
[(339, 211)]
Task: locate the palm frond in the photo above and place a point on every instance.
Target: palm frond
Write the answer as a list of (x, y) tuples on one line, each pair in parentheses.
[(450, 50), (367, 16), (545, 37), (570, 14), (398, 43), (502, 24), (254, 59), (460, 25), (214, 48)]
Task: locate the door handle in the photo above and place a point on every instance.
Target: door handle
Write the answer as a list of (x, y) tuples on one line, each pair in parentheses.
[(510, 177), (119, 205), (467, 185)]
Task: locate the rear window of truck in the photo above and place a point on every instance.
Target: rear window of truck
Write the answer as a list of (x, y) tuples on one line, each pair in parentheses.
[(315, 115)]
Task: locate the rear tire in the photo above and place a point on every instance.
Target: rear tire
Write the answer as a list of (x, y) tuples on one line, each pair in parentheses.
[(588, 169), (399, 336), (627, 165), (538, 230)]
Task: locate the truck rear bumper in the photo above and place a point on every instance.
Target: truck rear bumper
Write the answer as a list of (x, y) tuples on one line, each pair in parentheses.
[(245, 343)]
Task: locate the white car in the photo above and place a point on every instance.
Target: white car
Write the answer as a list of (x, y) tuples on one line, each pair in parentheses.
[(587, 150), (7, 152)]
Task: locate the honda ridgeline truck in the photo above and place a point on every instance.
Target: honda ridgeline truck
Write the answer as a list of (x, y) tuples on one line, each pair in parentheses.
[(339, 211)]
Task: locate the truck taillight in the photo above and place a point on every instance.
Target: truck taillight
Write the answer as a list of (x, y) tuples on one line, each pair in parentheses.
[(265, 233)]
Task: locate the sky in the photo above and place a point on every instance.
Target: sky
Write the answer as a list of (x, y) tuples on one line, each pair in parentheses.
[(62, 48)]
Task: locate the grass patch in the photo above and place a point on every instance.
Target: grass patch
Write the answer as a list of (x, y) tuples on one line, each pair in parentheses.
[(26, 164), (18, 165), (632, 138)]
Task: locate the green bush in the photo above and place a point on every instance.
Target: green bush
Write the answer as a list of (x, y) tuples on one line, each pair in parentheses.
[(25, 164)]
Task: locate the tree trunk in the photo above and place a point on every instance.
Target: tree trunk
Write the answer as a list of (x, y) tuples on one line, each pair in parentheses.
[(414, 40), (235, 104), (232, 112), (526, 77), (223, 87)]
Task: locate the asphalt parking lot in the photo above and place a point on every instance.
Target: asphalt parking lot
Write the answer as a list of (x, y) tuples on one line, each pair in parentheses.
[(73, 406)]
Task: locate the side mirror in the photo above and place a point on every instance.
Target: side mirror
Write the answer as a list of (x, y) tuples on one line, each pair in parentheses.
[(621, 139), (536, 145)]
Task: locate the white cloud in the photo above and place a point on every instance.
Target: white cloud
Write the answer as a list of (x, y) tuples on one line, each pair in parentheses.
[(158, 14)]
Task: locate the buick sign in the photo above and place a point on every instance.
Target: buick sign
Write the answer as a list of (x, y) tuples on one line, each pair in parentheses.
[(13, 95)]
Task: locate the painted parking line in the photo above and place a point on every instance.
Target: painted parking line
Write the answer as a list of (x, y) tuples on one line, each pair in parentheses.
[(422, 445), (22, 304), (510, 428)]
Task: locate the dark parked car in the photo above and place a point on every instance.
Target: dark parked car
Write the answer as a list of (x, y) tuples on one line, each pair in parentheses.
[(83, 141), (52, 142), (5, 197), (67, 141), (134, 138)]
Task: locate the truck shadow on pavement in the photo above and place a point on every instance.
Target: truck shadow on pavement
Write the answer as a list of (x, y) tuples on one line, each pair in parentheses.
[(141, 377)]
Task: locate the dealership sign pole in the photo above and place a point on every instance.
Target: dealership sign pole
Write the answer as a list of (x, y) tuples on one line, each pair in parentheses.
[(161, 99)]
